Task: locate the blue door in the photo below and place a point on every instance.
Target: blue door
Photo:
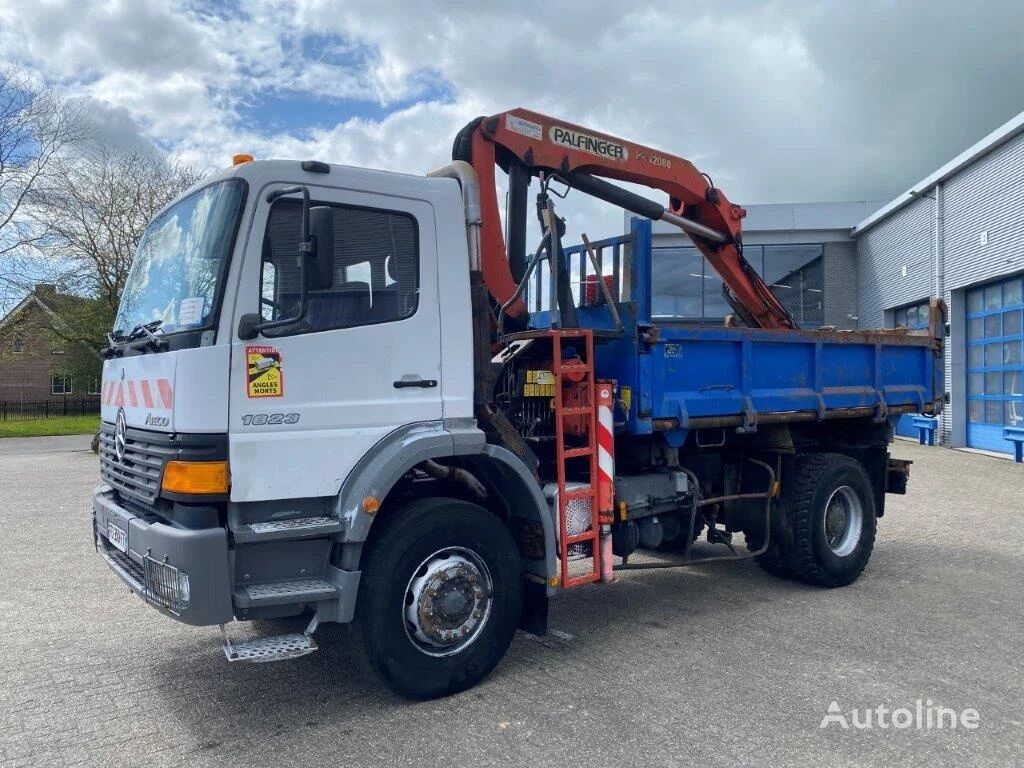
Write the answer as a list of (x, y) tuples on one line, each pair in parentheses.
[(912, 318), (995, 363)]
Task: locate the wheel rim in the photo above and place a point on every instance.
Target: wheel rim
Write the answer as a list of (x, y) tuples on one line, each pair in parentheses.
[(448, 601), (843, 520)]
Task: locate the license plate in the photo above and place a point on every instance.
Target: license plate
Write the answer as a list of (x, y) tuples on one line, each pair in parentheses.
[(117, 537)]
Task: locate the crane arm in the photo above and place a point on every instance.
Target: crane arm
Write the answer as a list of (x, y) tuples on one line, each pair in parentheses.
[(525, 142)]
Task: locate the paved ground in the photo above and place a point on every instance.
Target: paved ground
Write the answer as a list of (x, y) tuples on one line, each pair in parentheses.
[(720, 666), (26, 446)]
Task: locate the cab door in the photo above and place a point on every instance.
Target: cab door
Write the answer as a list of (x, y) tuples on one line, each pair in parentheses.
[(310, 399)]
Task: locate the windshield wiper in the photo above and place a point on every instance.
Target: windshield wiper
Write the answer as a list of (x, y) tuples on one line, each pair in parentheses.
[(147, 330), (113, 348), (142, 336)]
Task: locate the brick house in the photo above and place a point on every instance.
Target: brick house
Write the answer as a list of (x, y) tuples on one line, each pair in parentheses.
[(31, 355)]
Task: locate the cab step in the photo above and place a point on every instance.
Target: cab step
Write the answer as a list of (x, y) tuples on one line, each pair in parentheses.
[(284, 593), (266, 649), (296, 528)]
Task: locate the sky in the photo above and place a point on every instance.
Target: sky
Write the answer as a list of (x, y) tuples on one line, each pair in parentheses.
[(778, 101)]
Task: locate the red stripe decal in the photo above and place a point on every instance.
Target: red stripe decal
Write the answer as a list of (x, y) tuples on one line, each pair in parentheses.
[(166, 393), (147, 394), (119, 399), (131, 395)]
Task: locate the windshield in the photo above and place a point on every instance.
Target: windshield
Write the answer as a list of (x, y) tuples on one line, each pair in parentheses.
[(181, 259)]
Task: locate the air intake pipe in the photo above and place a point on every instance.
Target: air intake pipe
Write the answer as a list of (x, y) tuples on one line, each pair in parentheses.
[(483, 382), (463, 173)]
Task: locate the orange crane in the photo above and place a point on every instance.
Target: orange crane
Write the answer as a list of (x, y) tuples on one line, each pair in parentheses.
[(527, 144)]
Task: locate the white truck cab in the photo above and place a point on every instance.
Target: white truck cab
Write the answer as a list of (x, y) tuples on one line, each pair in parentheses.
[(255, 417), (375, 320)]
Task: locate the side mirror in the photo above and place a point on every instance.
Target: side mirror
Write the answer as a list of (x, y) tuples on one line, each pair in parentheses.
[(249, 326)]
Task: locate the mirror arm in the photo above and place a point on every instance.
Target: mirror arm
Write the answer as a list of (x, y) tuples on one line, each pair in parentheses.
[(252, 324)]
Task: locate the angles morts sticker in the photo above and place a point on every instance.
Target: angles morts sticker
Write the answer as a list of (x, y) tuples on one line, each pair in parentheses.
[(265, 375)]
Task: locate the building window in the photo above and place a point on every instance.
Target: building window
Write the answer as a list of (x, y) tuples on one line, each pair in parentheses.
[(18, 343), (677, 285), (60, 385), (913, 317), (686, 287), (796, 275), (94, 386)]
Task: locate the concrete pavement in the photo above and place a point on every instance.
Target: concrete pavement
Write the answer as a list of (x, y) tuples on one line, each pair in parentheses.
[(715, 666), (25, 446)]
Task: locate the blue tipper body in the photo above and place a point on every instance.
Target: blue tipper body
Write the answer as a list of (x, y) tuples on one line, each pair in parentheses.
[(667, 369)]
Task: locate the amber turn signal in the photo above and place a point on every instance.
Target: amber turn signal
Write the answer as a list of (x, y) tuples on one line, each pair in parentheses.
[(196, 477)]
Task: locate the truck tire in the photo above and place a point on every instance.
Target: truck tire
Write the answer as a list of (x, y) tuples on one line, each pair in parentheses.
[(439, 598), (772, 560), (833, 520)]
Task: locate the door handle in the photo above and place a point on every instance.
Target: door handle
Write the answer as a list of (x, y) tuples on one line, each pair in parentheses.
[(422, 383)]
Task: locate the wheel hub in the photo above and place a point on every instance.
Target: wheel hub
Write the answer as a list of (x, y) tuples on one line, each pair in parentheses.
[(835, 522), (843, 521), (448, 601)]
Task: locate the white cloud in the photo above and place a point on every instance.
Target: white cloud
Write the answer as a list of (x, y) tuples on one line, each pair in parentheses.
[(793, 101)]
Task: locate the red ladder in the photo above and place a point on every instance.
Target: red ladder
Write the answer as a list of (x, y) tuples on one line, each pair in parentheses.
[(588, 410)]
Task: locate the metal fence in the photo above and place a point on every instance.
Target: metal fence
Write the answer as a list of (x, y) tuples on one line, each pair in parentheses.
[(14, 410)]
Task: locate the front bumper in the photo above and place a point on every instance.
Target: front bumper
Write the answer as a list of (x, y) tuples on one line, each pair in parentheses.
[(183, 573)]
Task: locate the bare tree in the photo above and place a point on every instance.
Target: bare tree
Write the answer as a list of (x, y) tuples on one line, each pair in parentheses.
[(94, 212), (36, 127)]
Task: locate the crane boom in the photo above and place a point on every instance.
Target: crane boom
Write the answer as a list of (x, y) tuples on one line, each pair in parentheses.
[(526, 143)]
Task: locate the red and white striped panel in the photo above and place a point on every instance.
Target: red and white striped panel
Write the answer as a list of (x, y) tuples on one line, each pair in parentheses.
[(147, 393), (605, 451)]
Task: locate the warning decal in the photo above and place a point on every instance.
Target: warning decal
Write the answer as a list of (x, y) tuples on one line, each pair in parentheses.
[(626, 397), (265, 376)]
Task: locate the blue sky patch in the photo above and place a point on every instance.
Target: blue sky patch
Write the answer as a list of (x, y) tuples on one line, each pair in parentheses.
[(299, 113)]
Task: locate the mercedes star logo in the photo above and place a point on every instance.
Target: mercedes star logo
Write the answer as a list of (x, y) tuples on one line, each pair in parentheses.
[(120, 444)]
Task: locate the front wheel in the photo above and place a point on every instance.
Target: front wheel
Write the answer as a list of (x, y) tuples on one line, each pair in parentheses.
[(439, 597)]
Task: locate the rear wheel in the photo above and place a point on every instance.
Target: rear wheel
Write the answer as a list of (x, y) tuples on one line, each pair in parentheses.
[(439, 598), (772, 560), (833, 520)]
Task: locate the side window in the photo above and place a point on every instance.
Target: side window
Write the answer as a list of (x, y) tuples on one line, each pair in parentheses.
[(913, 317), (374, 269)]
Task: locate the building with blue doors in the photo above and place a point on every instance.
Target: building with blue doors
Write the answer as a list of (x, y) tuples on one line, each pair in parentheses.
[(957, 234)]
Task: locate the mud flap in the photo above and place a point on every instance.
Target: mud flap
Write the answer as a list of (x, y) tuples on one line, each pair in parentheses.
[(534, 617)]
